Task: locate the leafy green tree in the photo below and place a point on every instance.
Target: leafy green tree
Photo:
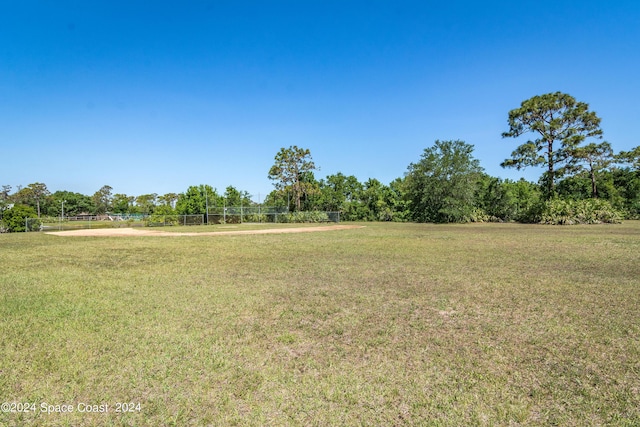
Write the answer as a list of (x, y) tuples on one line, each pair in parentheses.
[(441, 186), (122, 204), (288, 170), (527, 197), (332, 190), (197, 200), (506, 200), (14, 218), (74, 204), (627, 182), (164, 209), (352, 189), (191, 202), (33, 195), (340, 193), (397, 199), (234, 197), (575, 187), (168, 199), (277, 198), (494, 198), (311, 197), (146, 203), (102, 199), (561, 124), (376, 199), (163, 214)]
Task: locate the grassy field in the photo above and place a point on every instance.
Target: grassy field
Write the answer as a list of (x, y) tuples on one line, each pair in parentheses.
[(391, 324)]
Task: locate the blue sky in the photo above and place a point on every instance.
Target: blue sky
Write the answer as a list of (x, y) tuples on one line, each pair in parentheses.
[(154, 96)]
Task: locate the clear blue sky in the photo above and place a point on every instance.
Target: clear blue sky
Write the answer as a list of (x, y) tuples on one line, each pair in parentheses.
[(154, 96)]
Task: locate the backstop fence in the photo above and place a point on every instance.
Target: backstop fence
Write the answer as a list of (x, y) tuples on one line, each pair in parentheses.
[(223, 215)]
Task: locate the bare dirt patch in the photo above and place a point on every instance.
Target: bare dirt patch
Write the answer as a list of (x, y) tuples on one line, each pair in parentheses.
[(110, 232)]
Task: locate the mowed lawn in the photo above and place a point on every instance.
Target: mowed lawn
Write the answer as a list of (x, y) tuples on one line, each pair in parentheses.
[(391, 324)]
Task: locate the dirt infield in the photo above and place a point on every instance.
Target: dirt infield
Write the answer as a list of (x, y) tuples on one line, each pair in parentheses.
[(109, 232)]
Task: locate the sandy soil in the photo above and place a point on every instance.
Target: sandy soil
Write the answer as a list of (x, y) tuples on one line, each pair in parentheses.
[(108, 232)]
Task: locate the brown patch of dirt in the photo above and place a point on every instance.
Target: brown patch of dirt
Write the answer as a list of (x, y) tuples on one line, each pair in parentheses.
[(110, 232)]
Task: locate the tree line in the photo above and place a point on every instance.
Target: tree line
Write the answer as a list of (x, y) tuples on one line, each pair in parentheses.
[(584, 180), (195, 200)]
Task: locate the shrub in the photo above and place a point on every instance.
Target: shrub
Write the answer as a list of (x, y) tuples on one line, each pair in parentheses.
[(256, 217), (568, 212), (156, 219), (14, 219), (479, 215), (633, 210), (304, 216)]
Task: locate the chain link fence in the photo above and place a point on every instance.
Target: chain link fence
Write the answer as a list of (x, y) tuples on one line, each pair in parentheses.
[(244, 214), (228, 215), (89, 222)]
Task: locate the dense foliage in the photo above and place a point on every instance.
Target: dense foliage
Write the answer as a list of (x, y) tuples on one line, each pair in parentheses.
[(568, 212), (584, 182), (18, 218), (435, 189), (441, 186)]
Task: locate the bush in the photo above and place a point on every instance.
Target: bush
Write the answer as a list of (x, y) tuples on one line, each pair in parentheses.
[(568, 212), (14, 219), (532, 214), (256, 217), (479, 215), (304, 216), (156, 219), (633, 210)]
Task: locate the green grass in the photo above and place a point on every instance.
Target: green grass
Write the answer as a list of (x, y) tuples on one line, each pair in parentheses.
[(391, 324)]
